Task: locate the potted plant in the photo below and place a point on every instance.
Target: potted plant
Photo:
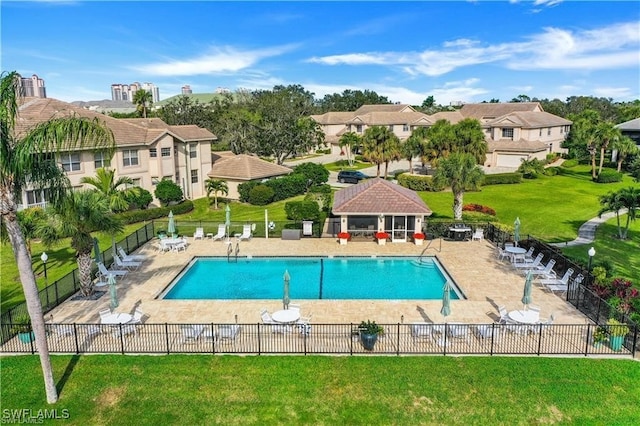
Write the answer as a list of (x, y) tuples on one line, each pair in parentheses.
[(369, 332), (599, 336), (617, 333), (344, 237), (382, 236), (418, 238), (22, 327)]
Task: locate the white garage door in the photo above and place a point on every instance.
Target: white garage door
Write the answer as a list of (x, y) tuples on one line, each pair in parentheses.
[(510, 160)]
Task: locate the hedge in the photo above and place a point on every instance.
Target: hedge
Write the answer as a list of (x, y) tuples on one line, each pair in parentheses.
[(609, 176), (502, 178), (570, 163), (135, 216), (418, 182)]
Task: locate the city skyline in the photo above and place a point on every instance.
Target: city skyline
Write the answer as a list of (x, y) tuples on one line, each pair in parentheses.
[(406, 51)]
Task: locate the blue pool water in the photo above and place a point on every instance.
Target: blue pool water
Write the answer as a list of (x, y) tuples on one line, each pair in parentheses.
[(311, 278)]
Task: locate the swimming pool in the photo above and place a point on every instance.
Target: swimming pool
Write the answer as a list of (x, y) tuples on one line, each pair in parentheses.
[(402, 278)]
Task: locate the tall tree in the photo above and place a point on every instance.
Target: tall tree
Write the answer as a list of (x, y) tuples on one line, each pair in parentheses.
[(216, 186), (143, 99), (441, 138), (414, 146), (379, 145), (469, 138), (25, 158), (460, 172), (624, 147), (115, 190), (581, 139), (605, 134), (78, 215), (350, 100), (349, 140), (626, 198)]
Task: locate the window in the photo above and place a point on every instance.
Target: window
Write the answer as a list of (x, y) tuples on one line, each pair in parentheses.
[(153, 152), (130, 157), (154, 180), (100, 160), (507, 133), (193, 150), (391, 127), (549, 131), (166, 152), (359, 128), (135, 183), (405, 127), (194, 176), (70, 162), (37, 197)]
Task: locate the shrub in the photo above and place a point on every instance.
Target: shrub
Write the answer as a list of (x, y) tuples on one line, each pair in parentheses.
[(567, 164), (501, 178), (167, 191), (302, 210), (315, 174), (479, 208), (286, 187), (551, 171), (140, 200), (135, 216), (244, 189), (530, 169), (322, 195), (418, 182), (261, 195), (609, 176)]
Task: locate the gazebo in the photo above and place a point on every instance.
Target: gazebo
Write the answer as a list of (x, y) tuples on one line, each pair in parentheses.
[(377, 205)]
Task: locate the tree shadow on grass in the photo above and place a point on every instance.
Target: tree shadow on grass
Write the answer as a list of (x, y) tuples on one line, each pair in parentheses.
[(67, 373)]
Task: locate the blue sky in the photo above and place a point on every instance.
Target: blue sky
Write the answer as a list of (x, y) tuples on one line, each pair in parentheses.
[(466, 51)]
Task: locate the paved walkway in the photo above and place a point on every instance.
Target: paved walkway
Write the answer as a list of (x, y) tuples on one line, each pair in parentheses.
[(587, 232)]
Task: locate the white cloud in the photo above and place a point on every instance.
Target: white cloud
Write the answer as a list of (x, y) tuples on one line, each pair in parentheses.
[(610, 47), (614, 92), (219, 60)]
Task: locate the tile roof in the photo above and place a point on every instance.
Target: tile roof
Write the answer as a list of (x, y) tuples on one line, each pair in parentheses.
[(127, 132), (377, 195), (385, 118), (521, 145), (530, 119), (365, 109), (494, 110), (245, 167), (451, 116), (630, 125), (334, 117)]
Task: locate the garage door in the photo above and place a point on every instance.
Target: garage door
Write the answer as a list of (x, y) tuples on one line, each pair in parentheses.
[(510, 160)]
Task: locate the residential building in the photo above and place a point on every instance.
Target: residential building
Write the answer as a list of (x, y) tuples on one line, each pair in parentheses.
[(153, 89), (147, 150), (513, 131), (32, 86), (186, 90), (631, 129), (126, 92)]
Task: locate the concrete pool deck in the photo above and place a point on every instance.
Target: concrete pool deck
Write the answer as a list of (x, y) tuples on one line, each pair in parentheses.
[(485, 281)]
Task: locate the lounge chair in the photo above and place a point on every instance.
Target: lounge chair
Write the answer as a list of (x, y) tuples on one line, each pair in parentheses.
[(62, 330), (478, 234), (486, 331), (563, 282), (106, 272), (199, 234), (421, 330), (228, 332), (182, 245), (124, 330), (246, 233), (534, 264), (138, 316), (504, 315), (130, 257), (547, 272), (131, 265), (105, 313), (191, 333), (222, 232)]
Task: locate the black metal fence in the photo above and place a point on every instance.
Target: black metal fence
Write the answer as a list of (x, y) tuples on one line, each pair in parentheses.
[(62, 289), (397, 339)]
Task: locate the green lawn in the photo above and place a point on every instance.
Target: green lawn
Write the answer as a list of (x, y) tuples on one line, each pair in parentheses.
[(234, 390)]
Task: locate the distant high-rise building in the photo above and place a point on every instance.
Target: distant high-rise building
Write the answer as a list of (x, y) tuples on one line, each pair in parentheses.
[(222, 90), (32, 86), (186, 90), (126, 92)]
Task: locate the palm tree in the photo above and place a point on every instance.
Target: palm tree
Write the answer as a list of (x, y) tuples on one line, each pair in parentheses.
[(626, 198), (143, 99), (461, 173), (215, 186), (114, 190), (380, 145), (625, 147), (77, 216), (606, 133), (441, 138), (469, 138), (413, 147), (25, 159), (350, 140)]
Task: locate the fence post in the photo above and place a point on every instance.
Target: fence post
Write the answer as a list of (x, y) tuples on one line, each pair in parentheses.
[(350, 338), (398, 341), (493, 327), (586, 345), (259, 341), (75, 337), (166, 336)]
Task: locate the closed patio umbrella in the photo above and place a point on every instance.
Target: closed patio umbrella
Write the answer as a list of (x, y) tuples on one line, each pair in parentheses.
[(526, 297), (97, 255), (516, 230), (112, 291), (285, 295), (227, 219), (446, 300), (171, 226)]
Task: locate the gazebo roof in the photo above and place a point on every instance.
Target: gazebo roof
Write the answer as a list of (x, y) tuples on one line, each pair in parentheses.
[(245, 167), (378, 196)]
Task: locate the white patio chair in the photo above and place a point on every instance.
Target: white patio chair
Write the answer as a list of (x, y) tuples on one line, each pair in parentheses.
[(478, 234), (222, 232), (191, 333), (199, 234), (124, 331), (294, 307), (138, 316), (102, 270), (228, 332), (534, 264), (421, 330), (504, 315), (130, 257), (246, 233), (131, 265), (105, 313), (547, 272), (563, 282), (502, 254), (182, 245), (62, 330)]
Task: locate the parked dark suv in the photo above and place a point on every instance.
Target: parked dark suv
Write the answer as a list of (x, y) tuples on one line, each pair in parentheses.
[(351, 176)]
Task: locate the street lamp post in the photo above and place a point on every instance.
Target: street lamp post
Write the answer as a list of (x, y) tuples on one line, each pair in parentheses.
[(44, 259), (591, 253)]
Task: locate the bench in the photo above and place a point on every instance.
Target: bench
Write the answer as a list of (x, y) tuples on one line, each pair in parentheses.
[(290, 234)]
